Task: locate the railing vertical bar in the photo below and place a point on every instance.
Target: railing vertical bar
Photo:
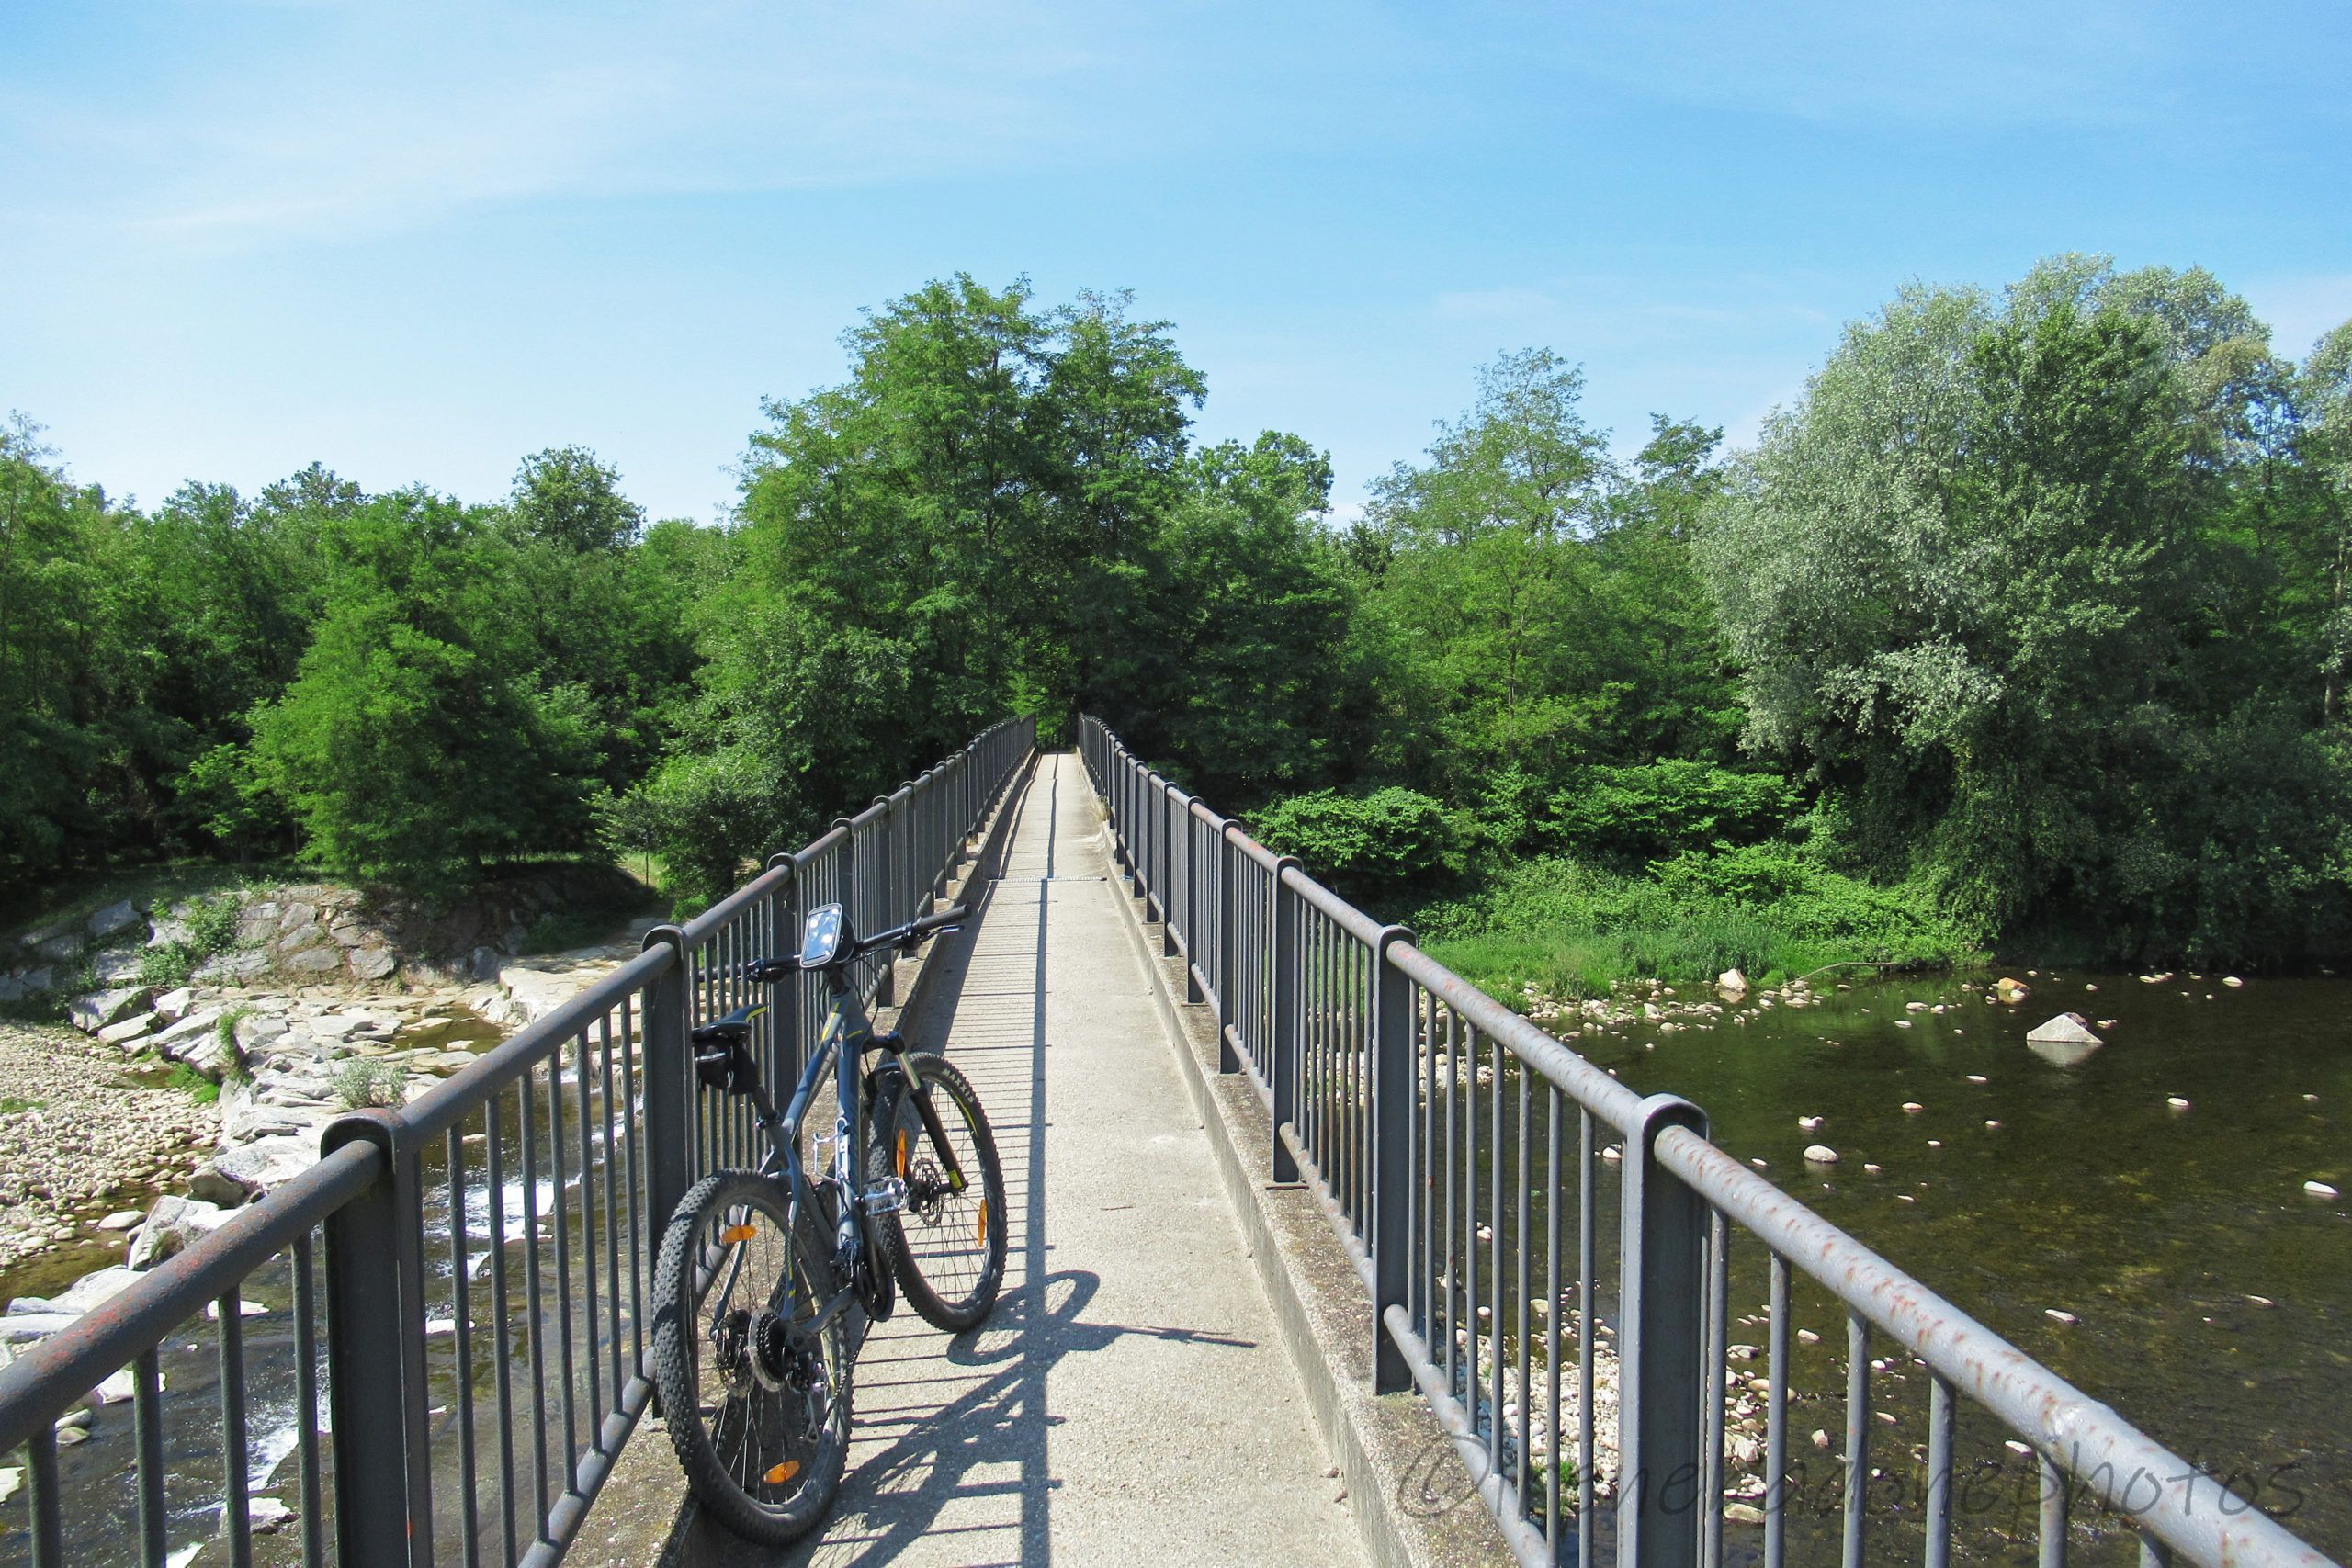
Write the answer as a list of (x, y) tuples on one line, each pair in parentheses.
[(561, 1207), (147, 1422), (588, 1245), (501, 1347), (1495, 1277), (1552, 1315), (1858, 1434), (461, 1315), (536, 1314), (2056, 1491), (1711, 1423), (305, 1403), (1450, 1263), (1775, 1419), (612, 1210), (48, 1517), (1940, 1434), (1520, 1306), (1588, 1319), (1470, 1212), (236, 1454)]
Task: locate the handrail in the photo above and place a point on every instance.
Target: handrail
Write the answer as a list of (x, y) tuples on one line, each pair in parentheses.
[(1384, 1075), (587, 1119)]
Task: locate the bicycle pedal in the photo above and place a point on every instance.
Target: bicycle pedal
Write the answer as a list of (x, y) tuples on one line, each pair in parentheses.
[(888, 1195)]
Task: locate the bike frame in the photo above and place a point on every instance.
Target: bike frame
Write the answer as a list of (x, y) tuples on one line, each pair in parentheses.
[(841, 1043)]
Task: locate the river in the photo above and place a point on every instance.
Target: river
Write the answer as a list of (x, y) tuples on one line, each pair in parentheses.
[(2211, 1296)]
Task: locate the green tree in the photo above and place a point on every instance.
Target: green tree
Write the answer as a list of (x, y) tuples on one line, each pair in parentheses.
[(415, 743)]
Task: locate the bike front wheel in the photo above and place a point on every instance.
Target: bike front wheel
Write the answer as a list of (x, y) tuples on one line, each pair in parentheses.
[(947, 1244), (757, 1403)]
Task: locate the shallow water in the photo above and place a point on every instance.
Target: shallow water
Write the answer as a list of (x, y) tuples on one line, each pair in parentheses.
[(2153, 1227)]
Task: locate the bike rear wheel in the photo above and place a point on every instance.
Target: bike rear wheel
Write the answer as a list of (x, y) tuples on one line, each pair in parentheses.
[(758, 1407), (946, 1246)]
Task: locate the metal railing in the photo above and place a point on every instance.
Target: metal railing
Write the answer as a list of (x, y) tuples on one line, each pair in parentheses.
[(1448, 1138), (454, 1296)]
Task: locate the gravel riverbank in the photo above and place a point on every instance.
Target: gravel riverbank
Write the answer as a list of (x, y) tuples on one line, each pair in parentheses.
[(75, 1128)]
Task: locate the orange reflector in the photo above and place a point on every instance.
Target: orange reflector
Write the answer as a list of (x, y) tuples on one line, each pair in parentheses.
[(734, 1234), (982, 1232), (779, 1474), (902, 1153)]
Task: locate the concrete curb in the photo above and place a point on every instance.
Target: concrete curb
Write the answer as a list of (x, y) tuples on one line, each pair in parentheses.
[(1413, 1505)]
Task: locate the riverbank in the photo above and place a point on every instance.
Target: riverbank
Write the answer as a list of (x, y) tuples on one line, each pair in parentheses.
[(79, 1138), (1576, 931)]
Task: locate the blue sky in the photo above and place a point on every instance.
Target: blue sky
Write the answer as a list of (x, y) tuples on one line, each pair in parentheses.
[(417, 241)]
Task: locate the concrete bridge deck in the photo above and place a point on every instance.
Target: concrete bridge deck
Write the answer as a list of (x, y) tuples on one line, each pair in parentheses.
[(1129, 1402)]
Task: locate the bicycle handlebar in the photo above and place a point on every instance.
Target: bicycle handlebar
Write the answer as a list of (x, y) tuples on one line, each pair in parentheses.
[(770, 970)]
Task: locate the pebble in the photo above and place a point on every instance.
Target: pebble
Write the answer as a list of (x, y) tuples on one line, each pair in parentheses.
[(2232, 981), (1992, 1125), (1935, 1143), (1807, 1336), (121, 1219), (1902, 1023), (1808, 1123), (1978, 1078), (1871, 1169), (2058, 1315), (1911, 1108), (1820, 1438), (2176, 1103), (1820, 1153), (2318, 1189), (2260, 1301)]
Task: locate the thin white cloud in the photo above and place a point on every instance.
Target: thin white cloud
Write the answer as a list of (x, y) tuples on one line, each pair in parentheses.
[(386, 119)]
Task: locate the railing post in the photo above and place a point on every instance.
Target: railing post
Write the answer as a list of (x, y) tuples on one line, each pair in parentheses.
[(784, 1017), (1282, 1071), (887, 971), (1661, 1350), (669, 1096), (1228, 937), (1168, 820), (1395, 1077), (376, 1394), (1194, 961), (1142, 871)]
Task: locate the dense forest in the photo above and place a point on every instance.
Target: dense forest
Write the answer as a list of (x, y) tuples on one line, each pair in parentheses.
[(2024, 627)]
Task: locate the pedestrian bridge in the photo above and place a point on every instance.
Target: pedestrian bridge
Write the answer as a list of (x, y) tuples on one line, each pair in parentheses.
[(1317, 1256)]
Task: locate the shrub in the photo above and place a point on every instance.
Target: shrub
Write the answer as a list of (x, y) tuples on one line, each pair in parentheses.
[(1628, 815), (211, 928), (365, 1081), (1369, 847)]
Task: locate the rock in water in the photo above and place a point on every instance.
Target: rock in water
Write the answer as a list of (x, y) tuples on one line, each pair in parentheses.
[(2318, 1189), (2008, 990), (1820, 1153), (239, 1175), (171, 1224), (1732, 985), (2066, 1041), (2066, 1028)]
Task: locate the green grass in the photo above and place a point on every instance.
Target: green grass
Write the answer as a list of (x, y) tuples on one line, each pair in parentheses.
[(184, 1077), (1576, 931), (12, 1104)]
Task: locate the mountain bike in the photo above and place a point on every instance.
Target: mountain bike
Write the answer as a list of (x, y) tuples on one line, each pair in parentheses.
[(769, 1280)]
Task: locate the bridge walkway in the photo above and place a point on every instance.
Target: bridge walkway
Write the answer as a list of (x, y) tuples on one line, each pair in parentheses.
[(1129, 1402)]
